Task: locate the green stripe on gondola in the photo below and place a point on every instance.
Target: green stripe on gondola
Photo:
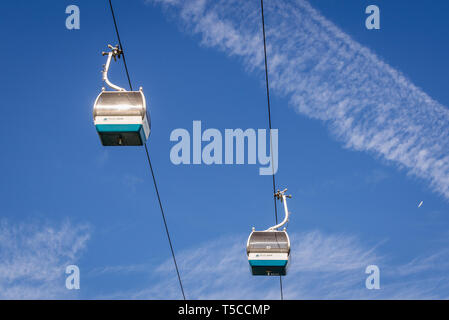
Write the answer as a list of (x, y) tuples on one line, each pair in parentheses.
[(118, 127)]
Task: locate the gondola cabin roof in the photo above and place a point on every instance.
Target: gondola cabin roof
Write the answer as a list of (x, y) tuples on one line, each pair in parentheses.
[(120, 103), (268, 241)]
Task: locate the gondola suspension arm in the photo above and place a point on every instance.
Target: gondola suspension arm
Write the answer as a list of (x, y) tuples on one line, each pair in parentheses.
[(280, 195), (114, 53)]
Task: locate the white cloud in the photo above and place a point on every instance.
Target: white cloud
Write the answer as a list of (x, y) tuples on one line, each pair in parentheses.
[(121, 269), (33, 258), (367, 104), (323, 266)]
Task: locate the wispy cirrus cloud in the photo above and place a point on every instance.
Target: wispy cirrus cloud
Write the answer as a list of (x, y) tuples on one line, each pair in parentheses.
[(323, 266), (219, 270), (367, 104), (33, 258)]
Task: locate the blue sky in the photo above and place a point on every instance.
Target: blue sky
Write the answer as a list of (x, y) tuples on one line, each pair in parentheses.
[(363, 138)]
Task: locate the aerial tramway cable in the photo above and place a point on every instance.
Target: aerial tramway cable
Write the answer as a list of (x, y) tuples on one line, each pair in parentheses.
[(269, 125), (149, 160)]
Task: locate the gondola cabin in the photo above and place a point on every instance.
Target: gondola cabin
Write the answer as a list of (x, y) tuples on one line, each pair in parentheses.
[(121, 119), (268, 252)]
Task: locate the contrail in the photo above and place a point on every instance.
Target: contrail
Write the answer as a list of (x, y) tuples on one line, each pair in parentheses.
[(367, 104)]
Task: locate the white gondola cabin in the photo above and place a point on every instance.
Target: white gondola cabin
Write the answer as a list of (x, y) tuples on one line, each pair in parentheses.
[(120, 116), (269, 251)]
